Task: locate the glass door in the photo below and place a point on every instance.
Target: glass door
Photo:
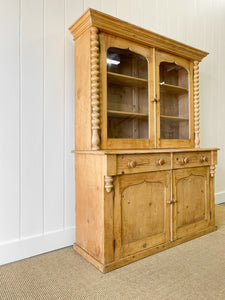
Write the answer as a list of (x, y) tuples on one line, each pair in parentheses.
[(127, 95), (126, 112), (174, 86)]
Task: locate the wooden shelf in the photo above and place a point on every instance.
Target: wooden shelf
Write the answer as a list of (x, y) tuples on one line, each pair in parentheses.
[(126, 80), (120, 114), (174, 118), (173, 89)]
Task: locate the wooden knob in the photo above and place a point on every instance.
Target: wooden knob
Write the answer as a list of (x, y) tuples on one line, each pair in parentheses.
[(155, 100), (160, 162), (132, 164), (203, 159), (184, 160), (172, 201)]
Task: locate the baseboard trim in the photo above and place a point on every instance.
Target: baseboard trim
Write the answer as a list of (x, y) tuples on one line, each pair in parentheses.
[(219, 197), (20, 249)]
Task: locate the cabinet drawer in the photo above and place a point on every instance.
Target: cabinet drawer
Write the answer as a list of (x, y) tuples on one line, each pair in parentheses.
[(190, 159), (128, 164)]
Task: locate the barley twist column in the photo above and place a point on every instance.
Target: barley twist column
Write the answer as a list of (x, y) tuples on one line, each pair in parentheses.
[(95, 93), (196, 104)]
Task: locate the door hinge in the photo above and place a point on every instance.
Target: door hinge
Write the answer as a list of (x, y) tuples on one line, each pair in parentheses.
[(114, 244), (113, 194)]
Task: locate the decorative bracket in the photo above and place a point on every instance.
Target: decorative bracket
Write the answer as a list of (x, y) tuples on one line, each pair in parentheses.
[(212, 170), (95, 90), (196, 104), (108, 184)]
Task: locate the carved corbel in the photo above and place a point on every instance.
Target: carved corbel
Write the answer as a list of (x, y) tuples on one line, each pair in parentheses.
[(212, 170), (108, 183)]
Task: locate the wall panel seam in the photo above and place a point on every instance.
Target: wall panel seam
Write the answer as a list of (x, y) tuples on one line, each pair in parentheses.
[(64, 121), (43, 128), (20, 125)]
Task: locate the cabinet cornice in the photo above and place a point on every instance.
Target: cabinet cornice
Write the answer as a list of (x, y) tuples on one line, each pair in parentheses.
[(115, 26)]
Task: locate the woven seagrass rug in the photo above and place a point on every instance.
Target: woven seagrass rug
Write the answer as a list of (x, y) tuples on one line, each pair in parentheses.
[(193, 270)]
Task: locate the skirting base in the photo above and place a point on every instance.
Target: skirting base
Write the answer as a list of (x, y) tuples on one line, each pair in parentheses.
[(139, 255)]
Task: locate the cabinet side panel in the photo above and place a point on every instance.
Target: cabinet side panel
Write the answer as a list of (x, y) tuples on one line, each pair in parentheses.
[(90, 204), (82, 93)]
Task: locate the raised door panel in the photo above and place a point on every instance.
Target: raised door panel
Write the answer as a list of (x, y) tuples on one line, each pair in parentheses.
[(126, 88), (174, 95), (191, 194), (141, 212)]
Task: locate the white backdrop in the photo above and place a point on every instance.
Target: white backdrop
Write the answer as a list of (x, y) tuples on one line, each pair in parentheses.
[(37, 106)]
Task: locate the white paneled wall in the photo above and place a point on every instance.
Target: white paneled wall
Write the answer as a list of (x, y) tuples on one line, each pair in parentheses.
[(37, 106)]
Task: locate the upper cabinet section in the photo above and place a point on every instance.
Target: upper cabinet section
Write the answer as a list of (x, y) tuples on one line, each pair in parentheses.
[(134, 89)]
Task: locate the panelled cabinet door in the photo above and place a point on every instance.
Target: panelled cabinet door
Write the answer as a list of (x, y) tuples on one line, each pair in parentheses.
[(174, 94), (126, 88), (191, 195), (141, 212)]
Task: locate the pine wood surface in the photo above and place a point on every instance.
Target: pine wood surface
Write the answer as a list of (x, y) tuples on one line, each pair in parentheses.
[(143, 163), (90, 204), (83, 93), (113, 212), (134, 202), (114, 26), (127, 128), (141, 186), (175, 104), (192, 201), (140, 151), (142, 254)]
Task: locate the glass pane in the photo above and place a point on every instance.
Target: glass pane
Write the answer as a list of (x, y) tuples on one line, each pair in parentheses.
[(174, 102), (127, 95)]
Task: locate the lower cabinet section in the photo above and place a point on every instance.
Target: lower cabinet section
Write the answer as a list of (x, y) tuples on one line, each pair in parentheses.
[(124, 217)]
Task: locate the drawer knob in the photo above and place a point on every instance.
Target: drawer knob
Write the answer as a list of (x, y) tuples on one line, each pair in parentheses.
[(132, 164), (184, 160), (203, 159), (160, 162)]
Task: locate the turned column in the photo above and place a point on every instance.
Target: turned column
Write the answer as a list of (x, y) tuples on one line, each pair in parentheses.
[(95, 91), (196, 105)]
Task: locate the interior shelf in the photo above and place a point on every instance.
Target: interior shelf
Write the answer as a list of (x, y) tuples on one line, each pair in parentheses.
[(126, 80), (169, 88), (119, 114), (174, 118)]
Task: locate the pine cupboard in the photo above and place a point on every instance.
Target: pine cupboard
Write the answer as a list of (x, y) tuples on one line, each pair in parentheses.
[(143, 184)]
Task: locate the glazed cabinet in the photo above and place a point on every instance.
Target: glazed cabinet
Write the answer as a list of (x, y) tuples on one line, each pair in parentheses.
[(143, 184), (147, 97)]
